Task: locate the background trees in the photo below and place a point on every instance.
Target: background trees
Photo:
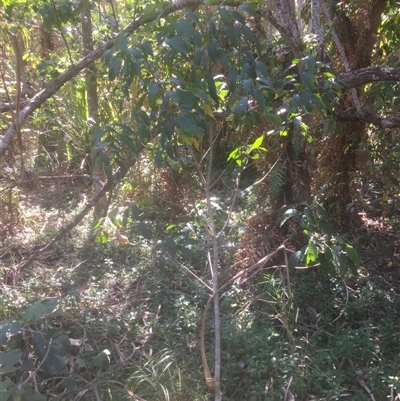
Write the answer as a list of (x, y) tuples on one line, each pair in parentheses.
[(235, 137)]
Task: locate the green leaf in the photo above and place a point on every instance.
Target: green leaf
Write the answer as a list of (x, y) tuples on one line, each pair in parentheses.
[(307, 100), (211, 88), (327, 266), (158, 159), (231, 79), (311, 253), (178, 44), (170, 245), (153, 91), (187, 253), (274, 119), (114, 68), (248, 8), (240, 108), (149, 11), (262, 68), (187, 124), (141, 227), (296, 258), (101, 360), (352, 253), (52, 350), (257, 143), (7, 329), (309, 215), (224, 16), (311, 64), (260, 99), (40, 308), (9, 359), (169, 149)]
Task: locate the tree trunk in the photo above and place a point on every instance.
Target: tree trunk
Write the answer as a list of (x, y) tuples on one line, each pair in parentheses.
[(92, 105), (356, 32)]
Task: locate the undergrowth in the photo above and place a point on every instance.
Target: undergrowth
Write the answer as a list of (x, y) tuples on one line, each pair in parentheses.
[(134, 324)]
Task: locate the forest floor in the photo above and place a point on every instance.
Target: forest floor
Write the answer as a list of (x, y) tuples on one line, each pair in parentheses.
[(134, 323)]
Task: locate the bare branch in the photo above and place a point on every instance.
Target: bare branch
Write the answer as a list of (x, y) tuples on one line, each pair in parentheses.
[(370, 74)]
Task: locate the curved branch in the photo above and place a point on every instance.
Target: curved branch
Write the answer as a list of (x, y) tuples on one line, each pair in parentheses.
[(53, 86)]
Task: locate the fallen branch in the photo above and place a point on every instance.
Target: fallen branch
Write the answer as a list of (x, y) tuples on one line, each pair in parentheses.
[(110, 184)]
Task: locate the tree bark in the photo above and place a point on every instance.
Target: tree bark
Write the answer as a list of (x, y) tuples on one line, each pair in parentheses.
[(356, 33)]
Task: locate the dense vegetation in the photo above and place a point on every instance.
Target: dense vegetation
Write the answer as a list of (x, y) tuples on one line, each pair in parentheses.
[(199, 200)]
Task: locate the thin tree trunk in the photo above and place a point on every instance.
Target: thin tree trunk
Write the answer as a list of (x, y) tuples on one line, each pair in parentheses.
[(92, 104)]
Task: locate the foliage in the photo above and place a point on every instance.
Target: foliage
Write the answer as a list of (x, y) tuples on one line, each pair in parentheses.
[(324, 246)]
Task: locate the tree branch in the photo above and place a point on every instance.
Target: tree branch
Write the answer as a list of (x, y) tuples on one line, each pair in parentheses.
[(110, 184), (370, 74), (368, 117), (53, 86)]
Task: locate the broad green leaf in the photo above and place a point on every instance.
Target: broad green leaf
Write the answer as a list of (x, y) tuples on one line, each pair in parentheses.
[(149, 11), (231, 79), (212, 50), (223, 59), (249, 35), (52, 351), (170, 246), (153, 92), (260, 99), (246, 86), (114, 68), (307, 100), (158, 159), (224, 16), (187, 253), (101, 360), (178, 44), (249, 8), (311, 253), (188, 125), (169, 149), (327, 266), (311, 64), (257, 143), (233, 34), (295, 103), (274, 118), (326, 227), (262, 68), (40, 308), (343, 261), (7, 329), (238, 17), (309, 215), (240, 108), (211, 87), (352, 253), (142, 229), (296, 258), (9, 359)]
